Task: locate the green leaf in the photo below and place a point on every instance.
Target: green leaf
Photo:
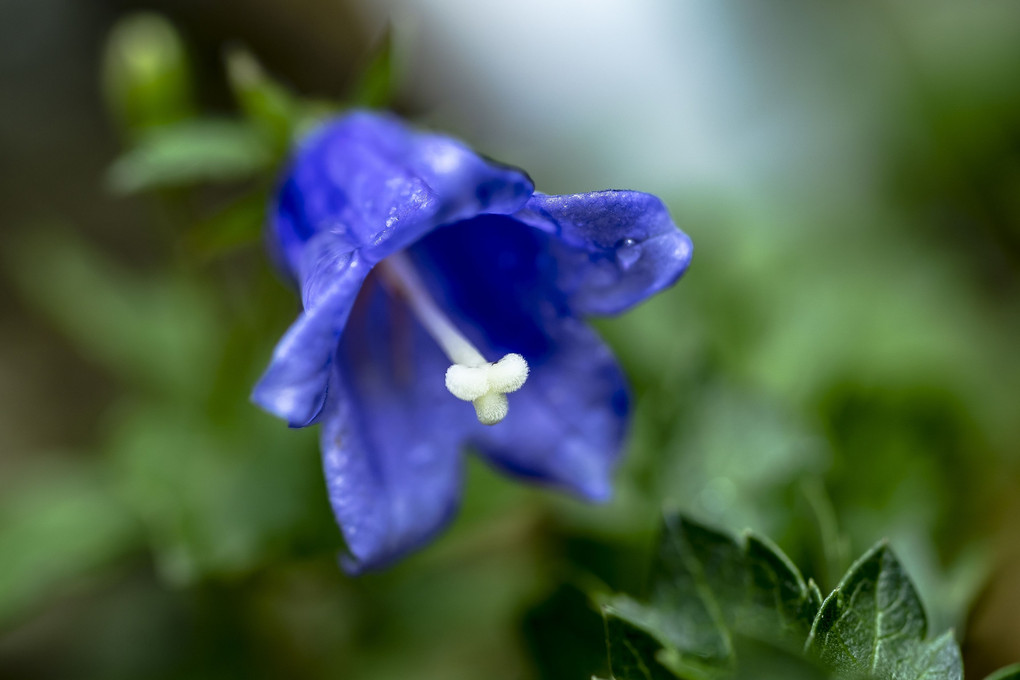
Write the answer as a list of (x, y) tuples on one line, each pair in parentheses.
[(218, 501), (191, 152), (562, 634), (158, 330), (375, 87), (779, 599), (708, 587), (874, 625), (239, 223), (749, 586), (266, 103), (55, 530), (632, 649), (1007, 673)]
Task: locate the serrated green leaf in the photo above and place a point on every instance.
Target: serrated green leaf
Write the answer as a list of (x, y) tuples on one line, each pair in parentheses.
[(939, 660), (874, 625), (816, 594), (708, 587), (780, 600), (747, 586), (641, 653), (632, 649), (696, 575), (189, 153), (1007, 673), (763, 661)]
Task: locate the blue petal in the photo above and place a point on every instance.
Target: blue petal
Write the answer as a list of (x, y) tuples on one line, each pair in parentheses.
[(612, 249), (566, 426), (294, 385), (359, 188), (495, 278), (391, 434), (378, 186)]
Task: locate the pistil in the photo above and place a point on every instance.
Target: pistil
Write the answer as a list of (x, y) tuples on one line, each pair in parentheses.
[(470, 377)]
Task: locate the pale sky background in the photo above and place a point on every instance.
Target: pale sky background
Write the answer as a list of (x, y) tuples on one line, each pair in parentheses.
[(669, 96)]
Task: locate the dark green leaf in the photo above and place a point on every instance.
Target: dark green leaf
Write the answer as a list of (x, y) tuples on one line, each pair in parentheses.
[(632, 649), (748, 586), (708, 587), (190, 153), (763, 661), (563, 635), (779, 599), (696, 569), (873, 625), (374, 89), (816, 594), (1007, 673)]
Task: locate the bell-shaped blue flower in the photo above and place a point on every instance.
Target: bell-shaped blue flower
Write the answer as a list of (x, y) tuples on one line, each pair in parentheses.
[(430, 277)]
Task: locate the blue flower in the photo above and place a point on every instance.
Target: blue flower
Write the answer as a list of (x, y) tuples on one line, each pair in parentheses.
[(430, 276)]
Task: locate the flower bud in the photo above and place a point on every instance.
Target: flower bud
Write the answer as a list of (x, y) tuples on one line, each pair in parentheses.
[(146, 79)]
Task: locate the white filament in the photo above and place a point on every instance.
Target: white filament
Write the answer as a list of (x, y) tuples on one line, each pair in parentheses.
[(471, 377)]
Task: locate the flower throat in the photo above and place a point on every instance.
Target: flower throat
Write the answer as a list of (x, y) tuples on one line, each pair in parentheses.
[(471, 378)]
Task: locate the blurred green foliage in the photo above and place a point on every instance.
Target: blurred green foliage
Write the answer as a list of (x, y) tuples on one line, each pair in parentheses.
[(824, 377)]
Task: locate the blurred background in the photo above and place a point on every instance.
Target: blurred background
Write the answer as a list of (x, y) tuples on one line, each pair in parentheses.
[(838, 366)]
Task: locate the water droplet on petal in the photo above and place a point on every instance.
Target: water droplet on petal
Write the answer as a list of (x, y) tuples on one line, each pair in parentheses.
[(628, 251)]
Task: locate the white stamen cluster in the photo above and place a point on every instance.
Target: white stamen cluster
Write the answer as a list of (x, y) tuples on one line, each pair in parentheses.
[(487, 385), (470, 377)]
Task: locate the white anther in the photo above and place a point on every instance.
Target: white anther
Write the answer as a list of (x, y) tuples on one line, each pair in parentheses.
[(467, 382), (486, 385), (508, 374), (470, 378), (491, 408)]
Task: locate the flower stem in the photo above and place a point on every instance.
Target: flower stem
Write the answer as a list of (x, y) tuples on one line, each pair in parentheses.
[(471, 377), (400, 277)]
